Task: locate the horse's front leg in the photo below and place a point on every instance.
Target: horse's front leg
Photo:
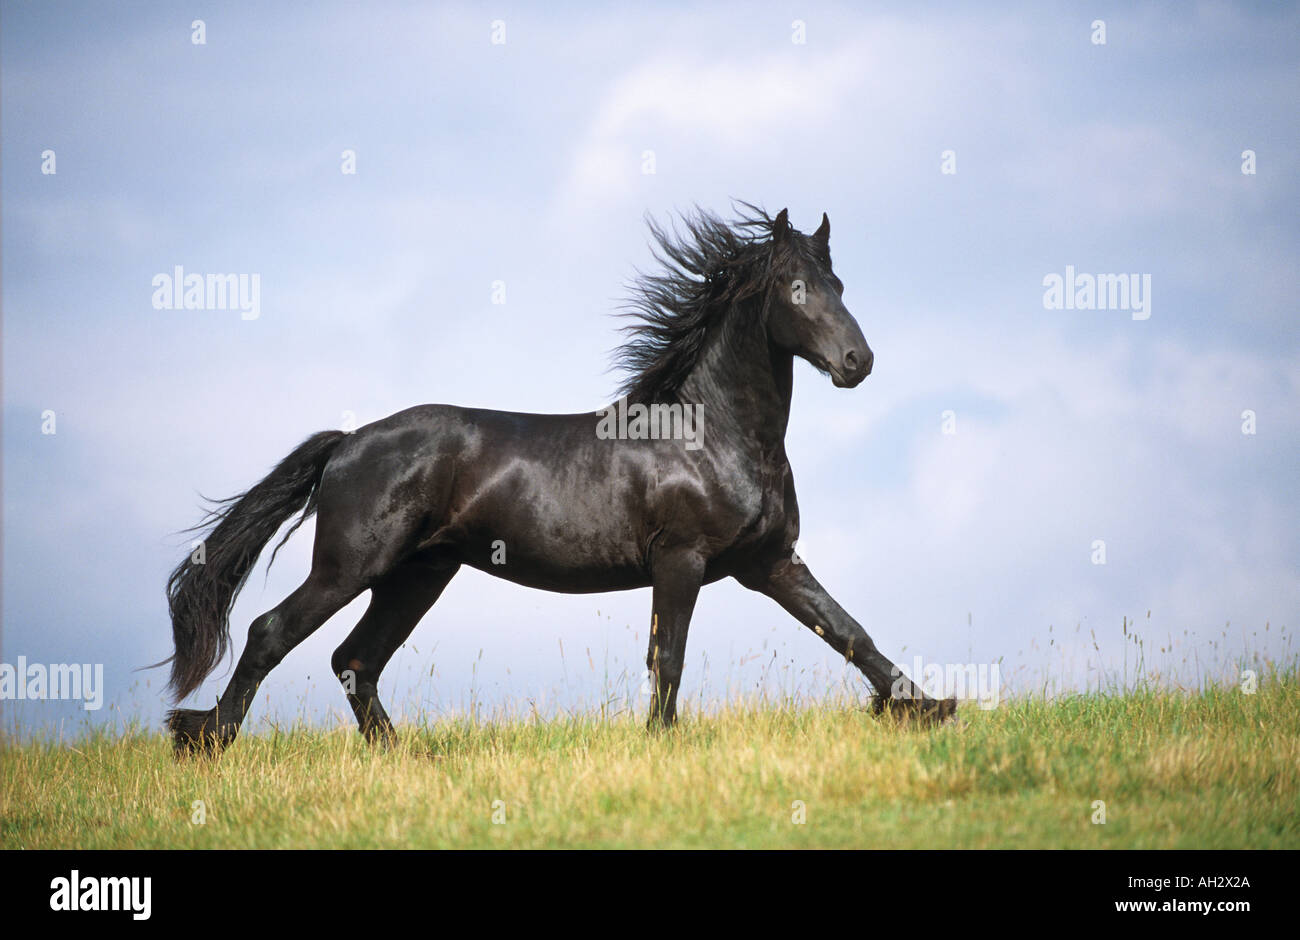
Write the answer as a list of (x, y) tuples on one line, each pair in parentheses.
[(792, 585), (676, 577)]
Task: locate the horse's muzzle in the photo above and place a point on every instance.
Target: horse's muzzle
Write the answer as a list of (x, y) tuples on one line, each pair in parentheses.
[(853, 368)]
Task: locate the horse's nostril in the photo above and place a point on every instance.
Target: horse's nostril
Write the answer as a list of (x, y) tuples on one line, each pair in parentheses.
[(851, 361)]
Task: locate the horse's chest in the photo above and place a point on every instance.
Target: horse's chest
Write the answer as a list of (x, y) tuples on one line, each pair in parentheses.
[(727, 506), (759, 505)]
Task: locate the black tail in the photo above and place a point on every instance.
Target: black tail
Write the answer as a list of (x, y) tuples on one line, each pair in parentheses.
[(200, 593)]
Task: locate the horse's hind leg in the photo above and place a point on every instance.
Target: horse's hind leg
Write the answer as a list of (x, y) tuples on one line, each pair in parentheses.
[(270, 638), (396, 605)]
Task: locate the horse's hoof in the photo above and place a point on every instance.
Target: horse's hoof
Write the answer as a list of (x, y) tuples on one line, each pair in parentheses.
[(925, 712), (380, 737), (193, 734)]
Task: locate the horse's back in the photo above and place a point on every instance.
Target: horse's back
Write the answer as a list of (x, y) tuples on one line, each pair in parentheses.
[(535, 498)]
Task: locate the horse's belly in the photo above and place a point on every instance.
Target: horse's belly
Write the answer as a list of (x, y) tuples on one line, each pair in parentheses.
[(561, 577)]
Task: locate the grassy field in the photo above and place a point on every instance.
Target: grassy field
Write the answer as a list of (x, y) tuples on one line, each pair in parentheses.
[(1213, 769)]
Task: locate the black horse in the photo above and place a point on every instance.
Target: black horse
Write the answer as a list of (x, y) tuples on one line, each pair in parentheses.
[(638, 495)]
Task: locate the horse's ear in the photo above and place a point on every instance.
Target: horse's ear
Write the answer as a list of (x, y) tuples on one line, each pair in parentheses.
[(781, 226), (823, 234)]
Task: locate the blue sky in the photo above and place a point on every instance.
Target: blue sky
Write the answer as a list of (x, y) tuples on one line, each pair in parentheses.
[(523, 162)]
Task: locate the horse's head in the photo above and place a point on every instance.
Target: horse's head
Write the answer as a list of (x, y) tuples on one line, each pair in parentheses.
[(807, 317)]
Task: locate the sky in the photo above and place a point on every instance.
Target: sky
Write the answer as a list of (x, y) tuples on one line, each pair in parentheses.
[(963, 156)]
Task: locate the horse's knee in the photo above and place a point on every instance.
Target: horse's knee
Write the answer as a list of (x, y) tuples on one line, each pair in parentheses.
[(345, 665), (339, 661)]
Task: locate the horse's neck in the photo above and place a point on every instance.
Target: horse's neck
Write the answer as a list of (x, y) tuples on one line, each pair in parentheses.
[(745, 389)]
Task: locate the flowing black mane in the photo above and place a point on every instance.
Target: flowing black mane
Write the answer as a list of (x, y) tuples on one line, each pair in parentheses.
[(706, 274)]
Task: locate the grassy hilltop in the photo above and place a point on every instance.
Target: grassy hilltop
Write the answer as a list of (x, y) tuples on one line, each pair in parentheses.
[(1211, 769)]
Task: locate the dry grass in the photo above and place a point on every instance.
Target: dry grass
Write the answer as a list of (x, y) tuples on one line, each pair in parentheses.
[(1211, 769)]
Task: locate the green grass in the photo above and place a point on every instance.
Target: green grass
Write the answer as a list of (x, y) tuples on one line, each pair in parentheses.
[(1211, 769)]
